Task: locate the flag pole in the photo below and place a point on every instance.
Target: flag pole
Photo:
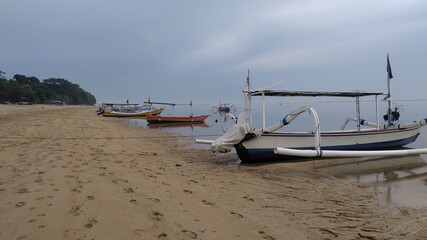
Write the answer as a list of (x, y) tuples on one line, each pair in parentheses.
[(389, 99)]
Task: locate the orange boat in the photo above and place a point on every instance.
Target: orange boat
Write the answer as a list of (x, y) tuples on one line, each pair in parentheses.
[(175, 119)]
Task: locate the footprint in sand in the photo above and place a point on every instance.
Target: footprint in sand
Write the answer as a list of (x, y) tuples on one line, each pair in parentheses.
[(148, 154), (207, 202), (39, 179), (248, 198), (156, 200), (90, 197), (138, 232), (236, 214), (187, 191), (20, 204), (128, 190), (162, 236), (190, 234), (156, 215), (264, 236), (23, 190), (91, 222), (115, 181), (74, 210)]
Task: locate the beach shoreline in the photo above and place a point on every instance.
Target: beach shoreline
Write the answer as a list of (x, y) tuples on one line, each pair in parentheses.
[(66, 173)]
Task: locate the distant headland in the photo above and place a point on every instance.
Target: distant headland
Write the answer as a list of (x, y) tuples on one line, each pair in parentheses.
[(28, 90)]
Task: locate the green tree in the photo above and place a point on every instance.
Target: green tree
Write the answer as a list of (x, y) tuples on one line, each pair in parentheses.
[(23, 88), (22, 79), (3, 88), (70, 92)]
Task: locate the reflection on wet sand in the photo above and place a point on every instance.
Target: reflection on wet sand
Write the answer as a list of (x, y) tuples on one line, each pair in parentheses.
[(376, 165), (402, 181), (176, 125)]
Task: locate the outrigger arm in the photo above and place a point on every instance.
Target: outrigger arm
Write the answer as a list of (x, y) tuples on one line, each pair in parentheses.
[(290, 117)]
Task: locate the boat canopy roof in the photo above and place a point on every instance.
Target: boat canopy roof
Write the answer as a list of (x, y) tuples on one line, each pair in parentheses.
[(280, 93), (161, 103), (123, 104)]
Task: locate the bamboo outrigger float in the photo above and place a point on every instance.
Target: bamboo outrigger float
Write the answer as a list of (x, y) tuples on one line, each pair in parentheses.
[(268, 144)]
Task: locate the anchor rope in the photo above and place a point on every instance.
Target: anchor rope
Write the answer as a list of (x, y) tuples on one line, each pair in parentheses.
[(107, 138)]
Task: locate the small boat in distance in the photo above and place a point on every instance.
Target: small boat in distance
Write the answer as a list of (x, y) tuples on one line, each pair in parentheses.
[(128, 110), (176, 119), (268, 143), (224, 108)]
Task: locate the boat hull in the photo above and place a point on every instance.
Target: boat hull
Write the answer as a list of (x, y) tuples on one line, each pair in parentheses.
[(261, 148), (176, 119), (132, 114)]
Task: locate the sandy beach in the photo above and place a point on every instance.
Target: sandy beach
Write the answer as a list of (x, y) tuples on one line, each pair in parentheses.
[(66, 173)]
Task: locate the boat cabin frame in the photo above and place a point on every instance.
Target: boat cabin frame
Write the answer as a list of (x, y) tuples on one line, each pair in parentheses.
[(279, 93)]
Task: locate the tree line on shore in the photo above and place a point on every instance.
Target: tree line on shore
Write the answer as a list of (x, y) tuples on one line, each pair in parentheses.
[(53, 90)]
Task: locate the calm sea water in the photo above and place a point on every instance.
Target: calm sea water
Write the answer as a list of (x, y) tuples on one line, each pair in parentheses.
[(402, 181)]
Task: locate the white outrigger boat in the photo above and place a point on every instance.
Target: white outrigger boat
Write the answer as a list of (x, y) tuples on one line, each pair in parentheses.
[(270, 144), (128, 110)]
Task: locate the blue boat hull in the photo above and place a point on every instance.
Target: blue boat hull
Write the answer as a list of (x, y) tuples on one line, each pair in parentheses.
[(254, 155)]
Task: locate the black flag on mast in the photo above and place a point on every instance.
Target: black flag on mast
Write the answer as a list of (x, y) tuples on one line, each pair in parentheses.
[(389, 73)]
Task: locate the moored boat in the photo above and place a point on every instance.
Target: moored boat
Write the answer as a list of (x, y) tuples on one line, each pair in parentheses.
[(269, 144), (128, 110)]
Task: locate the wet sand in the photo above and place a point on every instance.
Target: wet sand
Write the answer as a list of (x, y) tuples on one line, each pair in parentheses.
[(66, 173)]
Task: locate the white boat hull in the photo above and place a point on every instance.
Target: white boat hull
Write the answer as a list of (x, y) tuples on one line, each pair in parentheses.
[(261, 148)]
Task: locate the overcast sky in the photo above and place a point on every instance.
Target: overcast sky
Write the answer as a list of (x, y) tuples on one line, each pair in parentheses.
[(181, 50)]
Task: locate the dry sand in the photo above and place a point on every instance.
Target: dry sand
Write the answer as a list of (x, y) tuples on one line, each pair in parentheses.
[(66, 173)]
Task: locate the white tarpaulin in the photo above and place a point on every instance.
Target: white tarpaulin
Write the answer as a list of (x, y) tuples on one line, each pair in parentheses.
[(234, 135)]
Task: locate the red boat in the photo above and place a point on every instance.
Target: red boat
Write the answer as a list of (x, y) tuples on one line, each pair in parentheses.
[(175, 119)]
